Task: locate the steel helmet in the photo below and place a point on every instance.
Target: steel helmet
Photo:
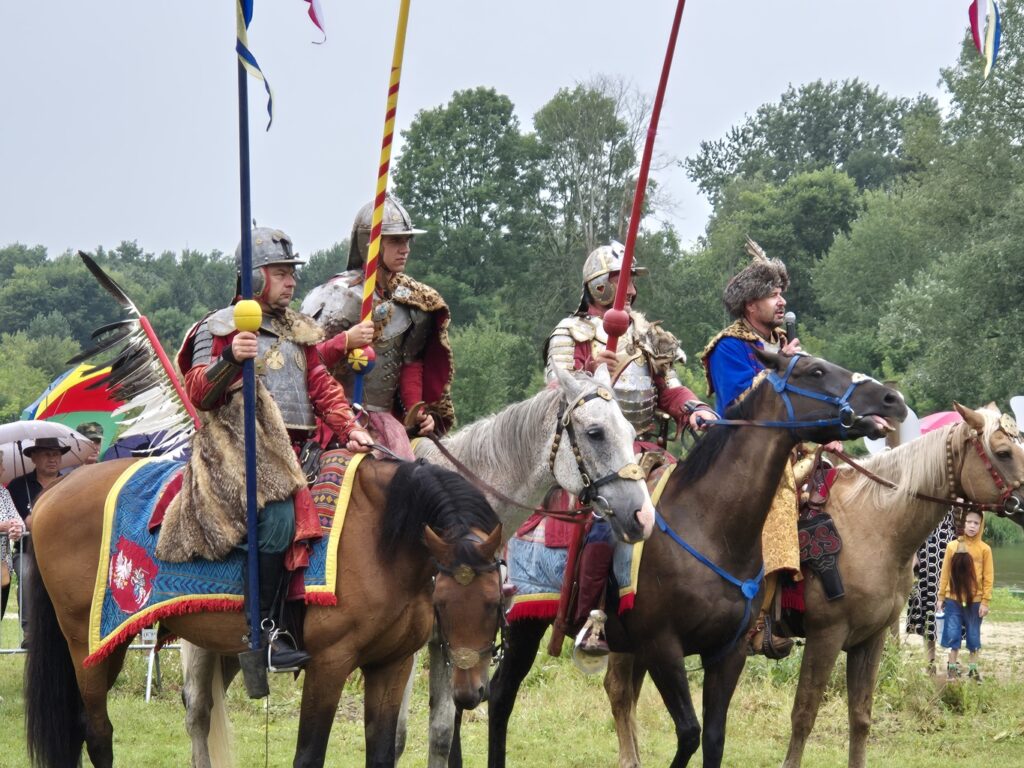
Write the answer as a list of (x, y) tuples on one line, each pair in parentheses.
[(396, 221), (603, 262), (269, 246)]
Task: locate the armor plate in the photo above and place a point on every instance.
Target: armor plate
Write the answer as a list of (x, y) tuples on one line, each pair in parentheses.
[(281, 364)]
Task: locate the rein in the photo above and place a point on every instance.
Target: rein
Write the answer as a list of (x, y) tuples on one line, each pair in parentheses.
[(847, 416), (1007, 506)]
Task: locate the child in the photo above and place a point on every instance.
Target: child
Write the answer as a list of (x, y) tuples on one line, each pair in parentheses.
[(965, 590)]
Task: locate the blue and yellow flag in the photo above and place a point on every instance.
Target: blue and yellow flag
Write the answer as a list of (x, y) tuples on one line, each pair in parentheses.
[(245, 55)]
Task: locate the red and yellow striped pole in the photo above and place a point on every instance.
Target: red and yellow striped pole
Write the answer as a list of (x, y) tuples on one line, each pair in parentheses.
[(373, 254), (361, 360)]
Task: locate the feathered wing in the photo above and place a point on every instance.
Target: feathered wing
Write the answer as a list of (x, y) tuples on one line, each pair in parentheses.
[(140, 375)]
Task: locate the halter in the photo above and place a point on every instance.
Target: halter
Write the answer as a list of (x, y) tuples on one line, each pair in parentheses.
[(588, 495), (847, 416), (467, 658)]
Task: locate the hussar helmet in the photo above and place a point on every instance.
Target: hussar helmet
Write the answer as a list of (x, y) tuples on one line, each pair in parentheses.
[(601, 264), (396, 221)]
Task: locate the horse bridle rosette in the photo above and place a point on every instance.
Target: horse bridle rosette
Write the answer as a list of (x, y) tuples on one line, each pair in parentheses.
[(589, 495)]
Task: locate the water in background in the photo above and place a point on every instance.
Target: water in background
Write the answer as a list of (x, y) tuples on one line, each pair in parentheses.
[(1009, 565)]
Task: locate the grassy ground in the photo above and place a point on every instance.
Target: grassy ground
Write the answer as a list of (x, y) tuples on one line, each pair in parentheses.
[(562, 717)]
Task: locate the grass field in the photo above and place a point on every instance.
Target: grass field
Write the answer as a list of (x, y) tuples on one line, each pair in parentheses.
[(562, 717)]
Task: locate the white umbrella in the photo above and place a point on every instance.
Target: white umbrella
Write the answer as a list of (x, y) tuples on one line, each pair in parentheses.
[(19, 435)]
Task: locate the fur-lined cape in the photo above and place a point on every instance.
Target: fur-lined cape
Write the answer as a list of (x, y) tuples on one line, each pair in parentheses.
[(756, 281), (207, 518)]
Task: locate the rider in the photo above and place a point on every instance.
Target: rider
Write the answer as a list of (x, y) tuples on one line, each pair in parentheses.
[(409, 386), (753, 297), (287, 364), (647, 390)]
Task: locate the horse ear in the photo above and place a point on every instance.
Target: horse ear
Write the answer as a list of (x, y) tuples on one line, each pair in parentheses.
[(490, 545), (438, 547), (770, 359), (602, 376), (974, 419), (570, 386)]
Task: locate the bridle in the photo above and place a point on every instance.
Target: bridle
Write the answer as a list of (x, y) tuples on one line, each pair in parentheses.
[(466, 658), (845, 419), (589, 494)]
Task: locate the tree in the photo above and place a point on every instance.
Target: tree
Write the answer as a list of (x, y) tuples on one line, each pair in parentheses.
[(849, 126)]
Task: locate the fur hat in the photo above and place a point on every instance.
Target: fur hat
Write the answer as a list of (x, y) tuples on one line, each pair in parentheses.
[(756, 281)]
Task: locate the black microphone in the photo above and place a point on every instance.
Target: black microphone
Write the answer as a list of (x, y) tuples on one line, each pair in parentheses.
[(790, 320)]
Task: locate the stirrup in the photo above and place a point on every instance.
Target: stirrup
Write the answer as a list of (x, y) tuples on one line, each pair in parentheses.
[(282, 653), (590, 650)]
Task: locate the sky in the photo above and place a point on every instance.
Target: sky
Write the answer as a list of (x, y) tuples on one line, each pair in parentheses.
[(119, 119)]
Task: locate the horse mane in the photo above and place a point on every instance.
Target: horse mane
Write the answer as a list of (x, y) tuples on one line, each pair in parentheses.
[(705, 453), (424, 494), (919, 464), (476, 446)]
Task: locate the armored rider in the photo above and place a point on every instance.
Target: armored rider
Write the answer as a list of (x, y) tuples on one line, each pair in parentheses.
[(754, 298), (647, 389), (409, 387), (288, 367)]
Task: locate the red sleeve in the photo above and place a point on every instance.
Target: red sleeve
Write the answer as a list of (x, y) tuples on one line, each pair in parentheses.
[(673, 400), (333, 350), (410, 384), (197, 385), (328, 396), (582, 360)]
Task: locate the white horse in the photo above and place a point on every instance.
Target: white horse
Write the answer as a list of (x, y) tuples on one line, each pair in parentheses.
[(572, 435)]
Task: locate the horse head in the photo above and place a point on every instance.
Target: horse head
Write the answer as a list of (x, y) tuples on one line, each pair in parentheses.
[(824, 401), (991, 461), (467, 608), (592, 455)]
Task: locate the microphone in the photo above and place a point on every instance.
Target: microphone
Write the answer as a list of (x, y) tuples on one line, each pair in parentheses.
[(790, 320)]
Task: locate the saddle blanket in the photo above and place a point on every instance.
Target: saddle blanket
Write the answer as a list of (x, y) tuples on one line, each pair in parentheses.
[(134, 589), (536, 565)]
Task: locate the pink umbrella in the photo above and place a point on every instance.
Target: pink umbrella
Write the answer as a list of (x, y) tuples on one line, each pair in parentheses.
[(941, 419)]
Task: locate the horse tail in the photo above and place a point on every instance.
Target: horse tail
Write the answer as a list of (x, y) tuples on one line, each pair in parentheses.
[(54, 712), (221, 752)]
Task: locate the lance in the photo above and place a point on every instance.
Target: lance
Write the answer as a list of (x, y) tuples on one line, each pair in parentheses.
[(361, 360), (248, 318), (616, 319)]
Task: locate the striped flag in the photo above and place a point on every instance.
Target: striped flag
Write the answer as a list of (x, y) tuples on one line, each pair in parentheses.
[(316, 14), (986, 40)]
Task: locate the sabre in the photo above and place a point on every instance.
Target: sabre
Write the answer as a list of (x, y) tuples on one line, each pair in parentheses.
[(616, 319), (361, 360)]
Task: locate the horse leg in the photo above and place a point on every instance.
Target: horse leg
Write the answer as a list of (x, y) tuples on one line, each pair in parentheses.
[(522, 640), (219, 741), (402, 729), (325, 676), (861, 674), (197, 695), (455, 756), (819, 658), (442, 705), (94, 683), (720, 680), (623, 689), (665, 662), (382, 701)]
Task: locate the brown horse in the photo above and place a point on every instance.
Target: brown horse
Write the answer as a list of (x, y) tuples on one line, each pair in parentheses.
[(389, 553), (716, 503), (979, 460)]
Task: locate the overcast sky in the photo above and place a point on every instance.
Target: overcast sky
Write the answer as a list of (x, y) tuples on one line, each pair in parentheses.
[(119, 118)]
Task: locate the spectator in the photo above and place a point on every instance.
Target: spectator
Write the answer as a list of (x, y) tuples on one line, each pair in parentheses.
[(965, 591), (11, 529)]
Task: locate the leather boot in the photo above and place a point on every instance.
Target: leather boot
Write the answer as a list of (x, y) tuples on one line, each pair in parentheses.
[(595, 563), (764, 641), (283, 655)]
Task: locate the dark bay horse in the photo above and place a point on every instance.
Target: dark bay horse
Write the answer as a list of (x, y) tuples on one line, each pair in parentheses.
[(716, 502), (405, 523), (980, 460)]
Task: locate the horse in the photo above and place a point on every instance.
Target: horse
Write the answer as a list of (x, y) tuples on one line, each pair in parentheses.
[(573, 435), (406, 522), (882, 525), (699, 584)]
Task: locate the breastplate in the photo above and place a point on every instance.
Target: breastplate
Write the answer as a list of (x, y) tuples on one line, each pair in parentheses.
[(380, 384), (634, 389), (281, 365)]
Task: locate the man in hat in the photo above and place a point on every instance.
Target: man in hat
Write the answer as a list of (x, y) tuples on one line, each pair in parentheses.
[(289, 369), (754, 298), (94, 432), (647, 389), (45, 453), (409, 386)]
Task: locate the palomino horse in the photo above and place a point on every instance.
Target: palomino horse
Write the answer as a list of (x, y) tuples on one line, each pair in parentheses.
[(980, 460), (511, 452), (390, 551), (713, 507), (573, 435)]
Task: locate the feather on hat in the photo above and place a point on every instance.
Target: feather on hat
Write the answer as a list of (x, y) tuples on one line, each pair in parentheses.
[(757, 280)]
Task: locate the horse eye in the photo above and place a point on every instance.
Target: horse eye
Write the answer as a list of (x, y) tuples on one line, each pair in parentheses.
[(1004, 454), (818, 373), (595, 433)]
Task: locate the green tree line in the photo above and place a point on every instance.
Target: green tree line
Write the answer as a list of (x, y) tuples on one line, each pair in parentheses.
[(902, 226)]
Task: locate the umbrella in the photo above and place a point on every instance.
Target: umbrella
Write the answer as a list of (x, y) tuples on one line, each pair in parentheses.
[(938, 420), (19, 435)]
